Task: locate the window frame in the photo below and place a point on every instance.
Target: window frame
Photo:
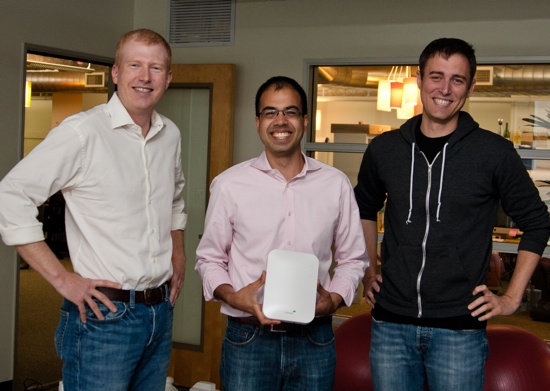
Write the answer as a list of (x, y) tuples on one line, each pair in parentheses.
[(310, 147)]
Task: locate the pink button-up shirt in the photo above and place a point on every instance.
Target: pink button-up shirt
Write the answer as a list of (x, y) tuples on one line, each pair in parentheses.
[(253, 210)]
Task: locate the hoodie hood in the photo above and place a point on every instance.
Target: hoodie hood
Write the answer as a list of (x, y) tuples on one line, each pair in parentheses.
[(466, 124)]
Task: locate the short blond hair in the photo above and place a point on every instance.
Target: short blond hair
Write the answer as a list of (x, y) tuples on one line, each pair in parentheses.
[(148, 37)]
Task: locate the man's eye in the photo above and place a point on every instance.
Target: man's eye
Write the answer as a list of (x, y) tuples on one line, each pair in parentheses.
[(269, 113), (291, 113)]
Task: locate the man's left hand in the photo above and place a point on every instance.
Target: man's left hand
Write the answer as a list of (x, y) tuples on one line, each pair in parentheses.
[(328, 302), (491, 305)]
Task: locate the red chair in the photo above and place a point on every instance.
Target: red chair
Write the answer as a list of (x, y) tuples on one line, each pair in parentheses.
[(518, 359), (352, 354)]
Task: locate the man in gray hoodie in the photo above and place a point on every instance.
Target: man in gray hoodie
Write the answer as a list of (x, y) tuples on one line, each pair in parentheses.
[(442, 178)]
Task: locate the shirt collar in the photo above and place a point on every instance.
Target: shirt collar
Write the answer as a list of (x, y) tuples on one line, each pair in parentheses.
[(120, 118), (262, 164)]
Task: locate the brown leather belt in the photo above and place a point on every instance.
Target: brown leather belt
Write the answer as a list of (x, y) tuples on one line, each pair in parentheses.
[(282, 327), (148, 296)]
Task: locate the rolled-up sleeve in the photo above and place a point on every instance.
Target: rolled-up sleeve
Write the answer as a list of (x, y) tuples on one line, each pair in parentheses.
[(52, 165)]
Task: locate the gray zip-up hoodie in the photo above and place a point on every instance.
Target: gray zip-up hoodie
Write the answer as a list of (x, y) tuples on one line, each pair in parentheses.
[(439, 217)]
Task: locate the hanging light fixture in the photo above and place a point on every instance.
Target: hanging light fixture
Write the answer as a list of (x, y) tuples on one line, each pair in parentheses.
[(400, 92), (410, 90), (383, 95), (28, 94), (396, 95), (396, 100)]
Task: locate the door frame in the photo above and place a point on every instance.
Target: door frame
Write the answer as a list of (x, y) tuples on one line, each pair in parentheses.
[(188, 367)]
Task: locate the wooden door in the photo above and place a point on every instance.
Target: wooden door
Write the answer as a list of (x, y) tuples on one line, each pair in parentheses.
[(192, 364)]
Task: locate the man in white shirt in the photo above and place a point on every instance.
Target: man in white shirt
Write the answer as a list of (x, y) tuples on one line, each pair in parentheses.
[(118, 167), (280, 200)]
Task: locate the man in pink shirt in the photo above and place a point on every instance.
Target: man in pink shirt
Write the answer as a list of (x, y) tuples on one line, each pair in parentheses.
[(279, 200)]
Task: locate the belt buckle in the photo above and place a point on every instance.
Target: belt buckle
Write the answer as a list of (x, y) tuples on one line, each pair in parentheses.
[(149, 297), (273, 330)]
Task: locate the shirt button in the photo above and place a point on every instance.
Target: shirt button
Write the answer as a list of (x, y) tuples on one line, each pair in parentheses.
[(289, 243), (290, 213)]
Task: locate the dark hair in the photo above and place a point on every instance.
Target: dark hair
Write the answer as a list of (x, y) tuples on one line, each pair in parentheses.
[(281, 82), (146, 36), (446, 47)]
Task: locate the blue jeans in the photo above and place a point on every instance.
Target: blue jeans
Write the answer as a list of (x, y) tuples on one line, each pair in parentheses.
[(406, 357), (256, 359), (129, 350)]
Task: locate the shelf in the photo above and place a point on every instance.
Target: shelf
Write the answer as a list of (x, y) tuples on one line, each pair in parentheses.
[(539, 154)]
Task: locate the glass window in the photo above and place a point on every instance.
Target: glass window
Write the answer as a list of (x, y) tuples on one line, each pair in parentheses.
[(354, 103), (347, 162)]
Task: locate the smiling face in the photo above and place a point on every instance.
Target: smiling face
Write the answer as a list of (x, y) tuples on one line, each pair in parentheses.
[(281, 135), (142, 75), (444, 88)]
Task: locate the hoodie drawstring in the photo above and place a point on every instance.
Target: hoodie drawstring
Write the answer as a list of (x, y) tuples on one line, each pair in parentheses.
[(441, 182), (444, 157), (411, 186)]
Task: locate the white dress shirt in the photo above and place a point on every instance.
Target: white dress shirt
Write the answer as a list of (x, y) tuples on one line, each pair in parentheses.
[(123, 194), (253, 210)]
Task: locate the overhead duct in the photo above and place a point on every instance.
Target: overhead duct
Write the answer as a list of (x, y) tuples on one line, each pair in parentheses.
[(352, 76), (48, 74), (44, 82), (517, 80)]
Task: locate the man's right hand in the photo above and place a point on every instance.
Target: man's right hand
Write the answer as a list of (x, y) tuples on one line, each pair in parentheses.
[(82, 291), (79, 290), (245, 299)]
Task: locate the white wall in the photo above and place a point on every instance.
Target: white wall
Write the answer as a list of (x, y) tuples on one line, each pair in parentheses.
[(272, 37)]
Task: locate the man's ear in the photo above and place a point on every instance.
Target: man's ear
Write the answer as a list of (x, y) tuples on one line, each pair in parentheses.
[(168, 78), (114, 73)]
